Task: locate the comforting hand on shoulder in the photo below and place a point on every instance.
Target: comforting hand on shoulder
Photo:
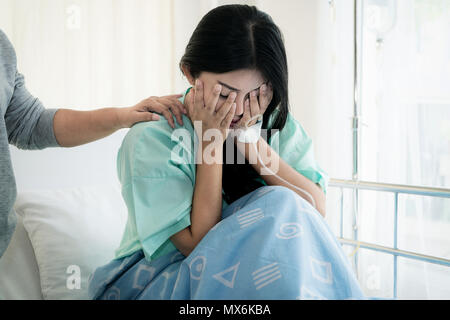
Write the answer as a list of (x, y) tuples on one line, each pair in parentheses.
[(141, 112)]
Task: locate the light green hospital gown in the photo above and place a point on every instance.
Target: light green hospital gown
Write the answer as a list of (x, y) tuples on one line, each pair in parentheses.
[(157, 171)]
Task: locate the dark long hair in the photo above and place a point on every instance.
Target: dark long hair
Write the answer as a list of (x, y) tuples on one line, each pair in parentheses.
[(236, 37)]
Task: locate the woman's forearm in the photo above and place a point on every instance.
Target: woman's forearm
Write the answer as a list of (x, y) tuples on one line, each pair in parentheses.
[(206, 204), (207, 199), (275, 163), (73, 128)]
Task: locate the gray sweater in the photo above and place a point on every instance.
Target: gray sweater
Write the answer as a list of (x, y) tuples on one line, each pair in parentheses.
[(25, 123)]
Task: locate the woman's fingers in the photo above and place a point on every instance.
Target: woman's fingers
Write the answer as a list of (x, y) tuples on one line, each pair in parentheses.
[(246, 116), (225, 108), (254, 106), (265, 97), (205, 110), (226, 114), (190, 104), (226, 122), (214, 98), (198, 95)]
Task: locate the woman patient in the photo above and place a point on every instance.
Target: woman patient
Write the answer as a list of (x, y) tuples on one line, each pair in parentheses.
[(204, 225)]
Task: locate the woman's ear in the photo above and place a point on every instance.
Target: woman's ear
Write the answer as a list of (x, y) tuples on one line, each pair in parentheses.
[(187, 74)]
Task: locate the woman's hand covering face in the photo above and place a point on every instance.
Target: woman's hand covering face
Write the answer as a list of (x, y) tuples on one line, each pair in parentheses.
[(256, 105), (202, 107)]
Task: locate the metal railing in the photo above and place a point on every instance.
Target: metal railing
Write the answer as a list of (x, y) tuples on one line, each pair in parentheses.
[(396, 189), (357, 185)]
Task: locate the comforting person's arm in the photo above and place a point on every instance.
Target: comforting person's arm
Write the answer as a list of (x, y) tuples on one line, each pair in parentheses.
[(73, 128), (28, 123)]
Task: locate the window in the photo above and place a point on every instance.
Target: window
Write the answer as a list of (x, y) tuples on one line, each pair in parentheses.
[(404, 102)]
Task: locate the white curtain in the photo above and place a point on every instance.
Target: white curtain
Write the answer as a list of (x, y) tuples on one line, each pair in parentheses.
[(86, 54)]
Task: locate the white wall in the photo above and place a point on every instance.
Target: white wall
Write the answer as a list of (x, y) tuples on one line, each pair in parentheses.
[(6, 16)]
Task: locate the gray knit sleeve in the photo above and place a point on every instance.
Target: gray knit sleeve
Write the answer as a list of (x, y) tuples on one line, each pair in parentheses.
[(29, 124)]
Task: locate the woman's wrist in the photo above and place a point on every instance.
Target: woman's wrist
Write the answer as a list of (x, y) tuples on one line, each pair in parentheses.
[(248, 149), (258, 154), (210, 152)]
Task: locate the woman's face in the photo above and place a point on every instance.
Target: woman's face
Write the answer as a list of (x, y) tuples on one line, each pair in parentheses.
[(243, 82)]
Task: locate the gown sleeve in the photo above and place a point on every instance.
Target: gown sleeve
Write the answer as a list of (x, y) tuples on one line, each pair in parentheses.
[(157, 184)]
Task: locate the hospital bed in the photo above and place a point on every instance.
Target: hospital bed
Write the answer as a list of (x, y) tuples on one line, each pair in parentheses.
[(61, 234), (70, 220)]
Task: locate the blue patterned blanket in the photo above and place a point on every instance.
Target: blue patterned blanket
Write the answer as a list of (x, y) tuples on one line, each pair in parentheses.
[(270, 244)]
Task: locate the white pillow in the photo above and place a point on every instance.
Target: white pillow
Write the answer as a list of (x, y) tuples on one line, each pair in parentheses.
[(19, 273), (72, 232)]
